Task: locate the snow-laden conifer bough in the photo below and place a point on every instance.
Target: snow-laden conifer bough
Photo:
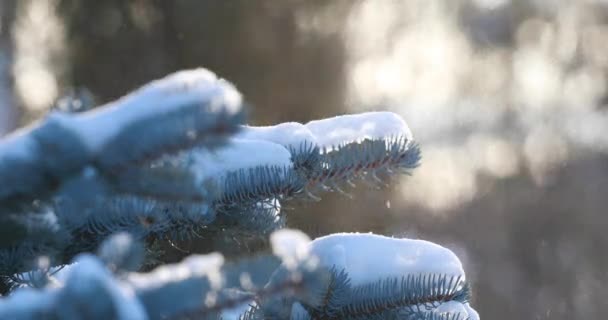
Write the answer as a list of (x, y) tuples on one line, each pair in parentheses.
[(88, 201)]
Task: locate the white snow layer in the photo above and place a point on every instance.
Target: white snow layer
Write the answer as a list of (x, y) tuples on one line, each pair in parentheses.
[(98, 126), (368, 257), (269, 145), (356, 127), (287, 134), (331, 131), (213, 165), (177, 90)]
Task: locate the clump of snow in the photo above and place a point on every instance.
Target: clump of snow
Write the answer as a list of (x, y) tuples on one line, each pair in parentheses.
[(208, 265), (356, 127), (331, 131), (287, 134), (177, 90), (238, 154), (369, 257), (290, 245)]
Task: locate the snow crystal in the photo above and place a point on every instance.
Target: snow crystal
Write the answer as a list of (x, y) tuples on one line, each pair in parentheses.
[(175, 91), (356, 127), (369, 257), (287, 134)]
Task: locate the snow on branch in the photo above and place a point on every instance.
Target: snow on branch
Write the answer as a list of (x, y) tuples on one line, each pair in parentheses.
[(196, 287), (171, 161), (372, 277), (345, 129), (409, 276), (340, 276), (167, 115), (178, 195), (154, 164), (333, 151)]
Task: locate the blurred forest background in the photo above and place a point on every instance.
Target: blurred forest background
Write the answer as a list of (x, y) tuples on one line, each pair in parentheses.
[(508, 100)]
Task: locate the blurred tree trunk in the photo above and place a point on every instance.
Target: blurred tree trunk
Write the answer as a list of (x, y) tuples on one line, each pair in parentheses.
[(117, 45), (8, 110)]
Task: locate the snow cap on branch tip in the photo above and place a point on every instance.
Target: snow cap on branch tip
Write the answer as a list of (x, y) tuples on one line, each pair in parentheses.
[(357, 253), (357, 127), (287, 134)]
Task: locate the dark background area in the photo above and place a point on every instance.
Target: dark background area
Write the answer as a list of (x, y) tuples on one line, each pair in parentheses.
[(507, 99)]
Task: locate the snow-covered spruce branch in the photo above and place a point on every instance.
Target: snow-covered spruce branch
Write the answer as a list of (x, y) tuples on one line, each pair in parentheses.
[(167, 115), (235, 188), (170, 161), (328, 278), (372, 277)]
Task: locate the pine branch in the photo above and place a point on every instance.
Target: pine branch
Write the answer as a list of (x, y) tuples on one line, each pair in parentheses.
[(195, 288), (199, 288), (289, 287), (173, 113), (365, 160), (169, 162), (336, 295), (410, 294)]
